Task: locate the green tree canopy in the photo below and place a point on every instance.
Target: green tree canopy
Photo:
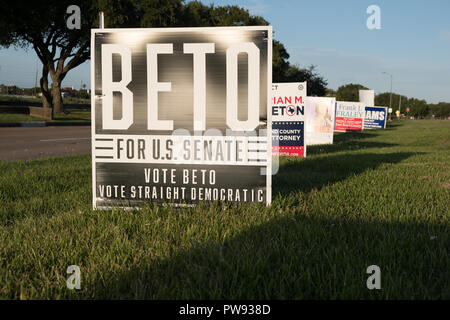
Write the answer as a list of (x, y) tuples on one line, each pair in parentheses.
[(440, 110), (42, 25), (418, 108), (316, 84), (197, 14), (330, 93), (349, 92), (383, 99)]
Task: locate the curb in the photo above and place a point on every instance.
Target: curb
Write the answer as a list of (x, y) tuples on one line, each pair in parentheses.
[(67, 123), (45, 124)]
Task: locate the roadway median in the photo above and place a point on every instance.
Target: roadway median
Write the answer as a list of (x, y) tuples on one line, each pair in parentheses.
[(45, 123)]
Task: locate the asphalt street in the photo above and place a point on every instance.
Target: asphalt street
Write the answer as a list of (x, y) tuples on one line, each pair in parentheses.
[(25, 143)]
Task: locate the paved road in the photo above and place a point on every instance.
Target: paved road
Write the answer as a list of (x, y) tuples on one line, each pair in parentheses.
[(23, 143)]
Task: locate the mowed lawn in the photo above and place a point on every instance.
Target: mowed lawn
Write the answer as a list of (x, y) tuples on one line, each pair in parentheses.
[(374, 198), (70, 115)]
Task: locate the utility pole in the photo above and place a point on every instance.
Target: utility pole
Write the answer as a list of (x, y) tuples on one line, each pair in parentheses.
[(101, 20), (390, 99), (400, 105)]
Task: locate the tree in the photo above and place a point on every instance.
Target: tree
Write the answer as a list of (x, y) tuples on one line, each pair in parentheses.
[(197, 14), (42, 25), (349, 92), (418, 108), (283, 71), (280, 63), (316, 84), (160, 13), (330, 93), (383, 99), (440, 110)]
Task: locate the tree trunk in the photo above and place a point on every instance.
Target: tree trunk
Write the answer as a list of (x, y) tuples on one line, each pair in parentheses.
[(58, 106), (46, 99), (46, 96), (52, 97)]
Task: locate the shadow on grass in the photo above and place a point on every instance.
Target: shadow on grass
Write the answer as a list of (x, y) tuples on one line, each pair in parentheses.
[(19, 103), (69, 118), (348, 145), (314, 173), (302, 255), (73, 115), (297, 257), (349, 141), (392, 125)]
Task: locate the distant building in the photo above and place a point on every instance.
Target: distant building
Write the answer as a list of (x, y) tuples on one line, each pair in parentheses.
[(12, 89), (68, 92), (84, 93)]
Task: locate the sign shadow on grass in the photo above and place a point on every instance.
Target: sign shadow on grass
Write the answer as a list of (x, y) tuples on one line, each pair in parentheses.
[(349, 141), (299, 256), (315, 173), (347, 146)]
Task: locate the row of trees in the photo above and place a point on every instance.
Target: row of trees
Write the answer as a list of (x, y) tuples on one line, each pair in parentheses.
[(42, 26), (417, 108)]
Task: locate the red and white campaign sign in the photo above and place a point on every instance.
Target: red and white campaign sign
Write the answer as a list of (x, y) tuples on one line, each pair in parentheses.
[(288, 119), (349, 116)]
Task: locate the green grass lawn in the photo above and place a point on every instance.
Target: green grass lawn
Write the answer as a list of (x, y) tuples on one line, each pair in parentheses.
[(21, 100), (70, 115), (74, 115), (24, 100), (378, 197), (18, 117)]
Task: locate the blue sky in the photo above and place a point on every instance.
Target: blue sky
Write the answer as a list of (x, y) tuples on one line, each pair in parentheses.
[(413, 44)]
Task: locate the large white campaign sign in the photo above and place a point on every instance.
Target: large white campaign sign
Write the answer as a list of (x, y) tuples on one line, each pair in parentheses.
[(288, 119), (181, 115), (319, 124), (349, 116), (367, 97)]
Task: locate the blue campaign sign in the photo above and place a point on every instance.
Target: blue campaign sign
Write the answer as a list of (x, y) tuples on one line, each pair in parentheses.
[(375, 118), (288, 138)]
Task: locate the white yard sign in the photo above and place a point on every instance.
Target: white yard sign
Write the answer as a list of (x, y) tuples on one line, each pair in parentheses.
[(179, 114)]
